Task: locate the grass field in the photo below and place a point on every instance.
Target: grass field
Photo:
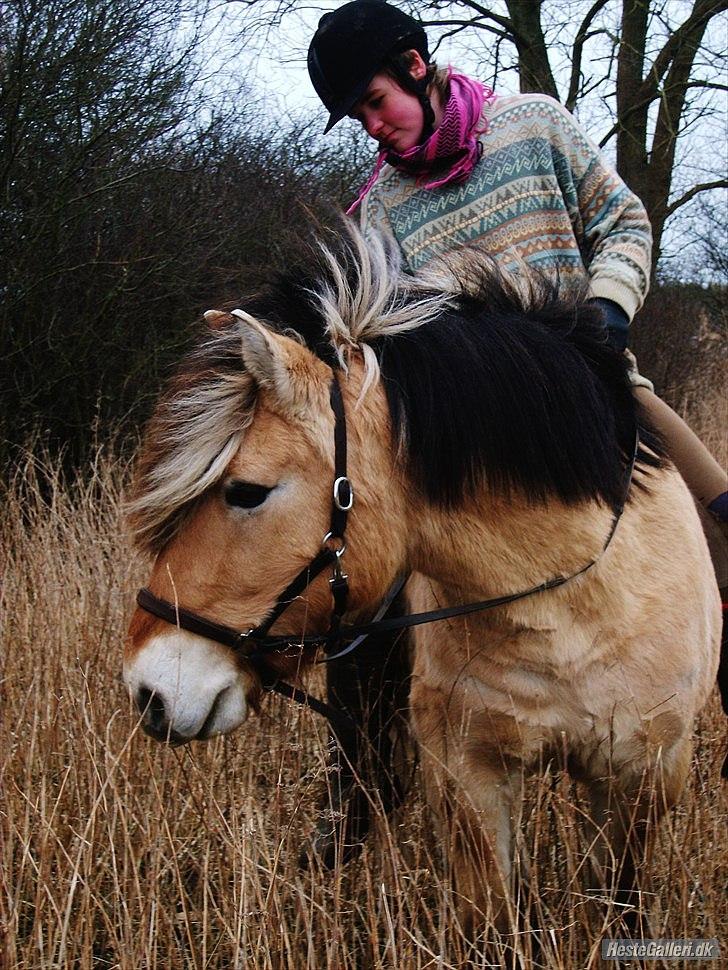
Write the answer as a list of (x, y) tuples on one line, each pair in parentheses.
[(118, 852)]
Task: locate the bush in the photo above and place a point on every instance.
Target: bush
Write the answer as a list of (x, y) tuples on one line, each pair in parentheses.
[(129, 205)]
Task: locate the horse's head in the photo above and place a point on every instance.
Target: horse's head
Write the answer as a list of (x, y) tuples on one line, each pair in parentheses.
[(234, 492)]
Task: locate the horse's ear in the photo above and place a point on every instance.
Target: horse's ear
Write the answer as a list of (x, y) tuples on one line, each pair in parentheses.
[(262, 356), (217, 319), (278, 364)]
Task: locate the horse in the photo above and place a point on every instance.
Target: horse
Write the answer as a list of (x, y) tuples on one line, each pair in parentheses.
[(494, 455)]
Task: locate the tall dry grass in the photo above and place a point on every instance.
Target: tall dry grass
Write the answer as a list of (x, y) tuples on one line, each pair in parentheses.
[(118, 852)]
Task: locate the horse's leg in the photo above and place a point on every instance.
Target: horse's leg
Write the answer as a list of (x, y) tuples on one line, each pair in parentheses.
[(626, 808), (472, 797), (477, 836)]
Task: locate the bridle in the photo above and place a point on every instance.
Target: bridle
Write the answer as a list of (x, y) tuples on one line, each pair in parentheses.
[(333, 547)]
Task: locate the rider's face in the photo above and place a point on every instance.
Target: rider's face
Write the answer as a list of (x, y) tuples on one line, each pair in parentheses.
[(389, 114)]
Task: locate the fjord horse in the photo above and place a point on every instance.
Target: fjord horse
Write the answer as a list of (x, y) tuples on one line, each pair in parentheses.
[(488, 440)]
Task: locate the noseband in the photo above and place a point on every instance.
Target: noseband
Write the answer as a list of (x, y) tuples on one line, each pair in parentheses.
[(257, 644)]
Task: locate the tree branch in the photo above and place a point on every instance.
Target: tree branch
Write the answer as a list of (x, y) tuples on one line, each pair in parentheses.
[(458, 25), (504, 22), (691, 193), (639, 105), (581, 37), (625, 117), (710, 85), (703, 11)]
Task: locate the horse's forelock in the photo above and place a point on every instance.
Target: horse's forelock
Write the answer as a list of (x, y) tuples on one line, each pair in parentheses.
[(196, 429)]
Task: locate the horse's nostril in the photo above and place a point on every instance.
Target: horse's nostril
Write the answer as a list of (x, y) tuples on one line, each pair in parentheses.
[(151, 706)]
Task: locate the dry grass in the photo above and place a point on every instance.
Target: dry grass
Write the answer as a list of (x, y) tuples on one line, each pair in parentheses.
[(117, 852)]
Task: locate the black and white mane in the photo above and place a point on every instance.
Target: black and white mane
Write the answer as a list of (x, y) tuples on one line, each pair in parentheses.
[(490, 382), (517, 389)]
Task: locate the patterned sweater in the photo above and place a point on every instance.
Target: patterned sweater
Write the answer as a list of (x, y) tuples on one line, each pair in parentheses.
[(541, 192)]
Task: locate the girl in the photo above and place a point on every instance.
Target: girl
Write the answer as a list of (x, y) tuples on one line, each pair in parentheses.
[(458, 165)]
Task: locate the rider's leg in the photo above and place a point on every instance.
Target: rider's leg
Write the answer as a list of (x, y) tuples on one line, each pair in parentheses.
[(702, 473), (708, 483)]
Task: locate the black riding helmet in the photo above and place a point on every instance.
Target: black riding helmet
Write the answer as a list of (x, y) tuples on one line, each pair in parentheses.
[(354, 43)]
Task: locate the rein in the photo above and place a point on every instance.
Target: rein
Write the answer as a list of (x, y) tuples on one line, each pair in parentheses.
[(333, 547)]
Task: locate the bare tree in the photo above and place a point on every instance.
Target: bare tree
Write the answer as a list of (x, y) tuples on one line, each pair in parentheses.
[(653, 62)]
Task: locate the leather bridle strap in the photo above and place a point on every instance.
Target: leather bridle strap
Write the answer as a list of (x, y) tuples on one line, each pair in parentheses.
[(389, 598), (301, 696), (317, 565), (267, 644), (343, 494), (334, 543), (357, 634), (186, 620)]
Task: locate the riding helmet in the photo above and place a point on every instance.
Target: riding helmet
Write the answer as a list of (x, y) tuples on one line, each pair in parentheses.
[(352, 44)]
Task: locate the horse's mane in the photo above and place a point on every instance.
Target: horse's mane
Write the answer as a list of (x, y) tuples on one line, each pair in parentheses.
[(491, 381)]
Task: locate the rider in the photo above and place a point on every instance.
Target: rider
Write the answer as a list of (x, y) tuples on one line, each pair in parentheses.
[(457, 164)]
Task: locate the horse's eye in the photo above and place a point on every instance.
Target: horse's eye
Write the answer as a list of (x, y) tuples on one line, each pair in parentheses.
[(246, 495)]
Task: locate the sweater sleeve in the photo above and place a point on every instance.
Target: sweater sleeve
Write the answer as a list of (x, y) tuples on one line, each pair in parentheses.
[(609, 220)]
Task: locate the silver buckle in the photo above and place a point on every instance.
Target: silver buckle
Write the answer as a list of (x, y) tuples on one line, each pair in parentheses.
[(340, 481)]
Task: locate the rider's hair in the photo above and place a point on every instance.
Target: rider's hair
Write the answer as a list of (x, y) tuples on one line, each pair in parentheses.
[(436, 78)]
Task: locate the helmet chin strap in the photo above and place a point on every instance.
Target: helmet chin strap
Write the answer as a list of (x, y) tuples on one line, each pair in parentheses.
[(428, 112)]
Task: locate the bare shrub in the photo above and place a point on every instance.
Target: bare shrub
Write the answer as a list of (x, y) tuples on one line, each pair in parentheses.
[(131, 199)]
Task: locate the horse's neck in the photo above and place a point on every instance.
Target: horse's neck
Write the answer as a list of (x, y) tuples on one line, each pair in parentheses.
[(486, 547), (492, 546)]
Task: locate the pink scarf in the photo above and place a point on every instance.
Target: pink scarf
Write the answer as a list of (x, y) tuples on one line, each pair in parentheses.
[(451, 152)]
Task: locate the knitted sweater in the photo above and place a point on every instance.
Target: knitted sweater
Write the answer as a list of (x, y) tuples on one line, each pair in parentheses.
[(540, 193)]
